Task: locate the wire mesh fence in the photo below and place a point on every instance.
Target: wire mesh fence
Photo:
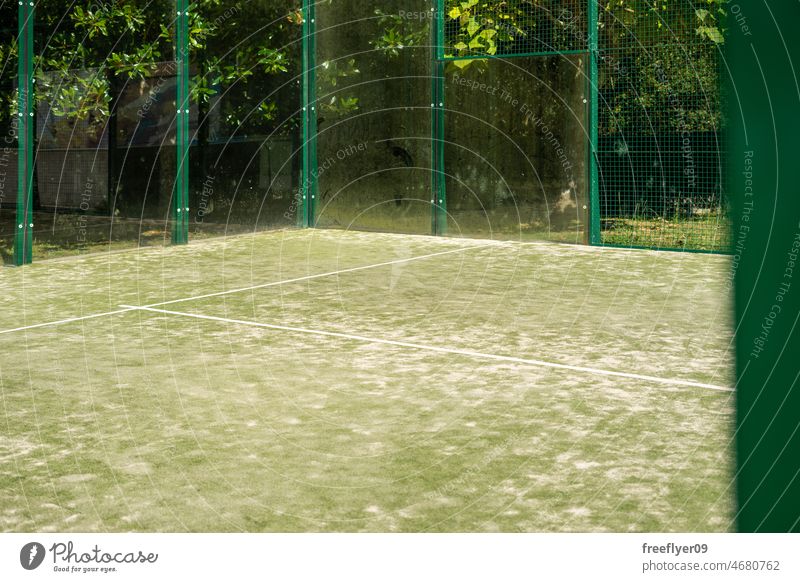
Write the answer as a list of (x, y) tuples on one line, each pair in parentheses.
[(481, 28), (660, 147)]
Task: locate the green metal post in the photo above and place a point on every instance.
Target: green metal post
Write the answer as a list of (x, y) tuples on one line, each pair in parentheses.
[(438, 186), (309, 185), (595, 237), (23, 239), (763, 150), (180, 229)]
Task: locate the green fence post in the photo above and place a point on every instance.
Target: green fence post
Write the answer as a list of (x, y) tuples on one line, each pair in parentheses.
[(438, 185), (180, 216), (595, 237), (308, 188), (763, 152), (23, 239)]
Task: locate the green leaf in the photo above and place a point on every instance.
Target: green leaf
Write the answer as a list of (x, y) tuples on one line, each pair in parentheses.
[(711, 33)]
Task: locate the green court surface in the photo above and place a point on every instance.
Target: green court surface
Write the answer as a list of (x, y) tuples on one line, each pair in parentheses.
[(339, 381)]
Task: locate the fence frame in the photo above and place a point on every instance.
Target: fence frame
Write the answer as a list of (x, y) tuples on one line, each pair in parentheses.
[(308, 190)]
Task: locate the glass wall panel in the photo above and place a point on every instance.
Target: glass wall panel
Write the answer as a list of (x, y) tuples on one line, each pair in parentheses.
[(515, 153), (105, 126), (8, 139), (144, 162), (374, 115)]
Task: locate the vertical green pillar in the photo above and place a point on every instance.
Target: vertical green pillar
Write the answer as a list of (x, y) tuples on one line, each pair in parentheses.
[(438, 185), (308, 190), (180, 205), (113, 170), (23, 239), (593, 119), (762, 152)]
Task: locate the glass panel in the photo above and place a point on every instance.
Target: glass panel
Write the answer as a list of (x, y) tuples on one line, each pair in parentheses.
[(245, 157), (144, 154), (105, 159), (516, 148), (8, 139), (71, 206), (374, 88)]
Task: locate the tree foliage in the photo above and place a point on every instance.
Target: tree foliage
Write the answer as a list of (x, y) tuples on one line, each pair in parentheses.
[(249, 52), (658, 57), (234, 48)]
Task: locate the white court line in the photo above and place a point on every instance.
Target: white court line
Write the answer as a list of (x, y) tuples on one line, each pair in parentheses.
[(321, 275), (243, 289), (469, 353), (64, 321)]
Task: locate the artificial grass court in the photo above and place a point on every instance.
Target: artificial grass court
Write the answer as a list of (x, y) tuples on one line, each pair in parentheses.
[(338, 381)]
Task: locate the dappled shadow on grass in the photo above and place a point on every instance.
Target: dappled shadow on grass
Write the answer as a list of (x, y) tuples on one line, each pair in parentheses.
[(149, 421)]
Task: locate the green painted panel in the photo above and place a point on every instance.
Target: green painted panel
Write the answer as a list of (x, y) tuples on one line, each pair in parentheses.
[(766, 262)]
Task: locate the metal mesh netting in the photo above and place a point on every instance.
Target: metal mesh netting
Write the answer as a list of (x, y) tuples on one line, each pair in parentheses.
[(487, 28), (659, 154), (660, 147)]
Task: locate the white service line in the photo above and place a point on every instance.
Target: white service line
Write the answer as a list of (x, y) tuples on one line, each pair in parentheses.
[(241, 290), (64, 321), (427, 348), (321, 275)]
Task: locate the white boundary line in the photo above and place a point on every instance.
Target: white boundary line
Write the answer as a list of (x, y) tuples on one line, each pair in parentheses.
[(64, 321), (427, 348), (252, 288), (321, 275)]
